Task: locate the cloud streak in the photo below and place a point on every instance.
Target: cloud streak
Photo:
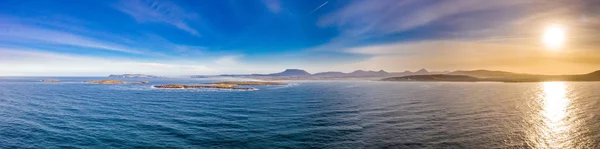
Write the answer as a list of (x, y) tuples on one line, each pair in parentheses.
[(319, 7), (159, 11), (382, 17), (26, 34)]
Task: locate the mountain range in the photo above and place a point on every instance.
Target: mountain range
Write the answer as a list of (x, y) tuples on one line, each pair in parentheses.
[(302, 74), (420, 75)]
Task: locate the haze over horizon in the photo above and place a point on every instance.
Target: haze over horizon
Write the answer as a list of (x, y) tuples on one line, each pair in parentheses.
[(97, 38)]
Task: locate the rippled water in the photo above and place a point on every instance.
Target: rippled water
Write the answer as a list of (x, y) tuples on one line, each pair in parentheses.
[(306, 114)]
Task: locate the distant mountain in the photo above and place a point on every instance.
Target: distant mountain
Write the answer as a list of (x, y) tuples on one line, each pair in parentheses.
[(422, 71), (291, 73), (409, 73), (486, 73), (329, 74), (362, 73), (133, 76)]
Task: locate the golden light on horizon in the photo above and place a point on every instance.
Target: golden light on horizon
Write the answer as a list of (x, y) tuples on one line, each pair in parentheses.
[(554, 36)]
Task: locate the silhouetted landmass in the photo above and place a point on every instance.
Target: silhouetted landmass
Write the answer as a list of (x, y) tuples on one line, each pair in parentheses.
[(486, 73), (497, 76)]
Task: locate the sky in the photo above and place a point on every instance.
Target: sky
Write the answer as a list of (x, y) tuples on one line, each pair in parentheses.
[(193, 37)]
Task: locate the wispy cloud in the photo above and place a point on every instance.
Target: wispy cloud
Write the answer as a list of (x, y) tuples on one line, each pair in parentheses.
[(391, 16), (274, 6), (159, 11), (28, 34)]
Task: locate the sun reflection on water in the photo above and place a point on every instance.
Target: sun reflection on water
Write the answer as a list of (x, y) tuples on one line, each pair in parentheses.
[(555, 101), (555, 128)]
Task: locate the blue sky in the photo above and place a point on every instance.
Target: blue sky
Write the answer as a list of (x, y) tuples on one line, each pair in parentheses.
[(181, 37)]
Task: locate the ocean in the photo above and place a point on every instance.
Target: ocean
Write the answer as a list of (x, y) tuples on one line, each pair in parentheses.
[(303, 114)]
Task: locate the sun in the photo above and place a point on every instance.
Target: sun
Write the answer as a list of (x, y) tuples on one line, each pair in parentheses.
[(554, 36)]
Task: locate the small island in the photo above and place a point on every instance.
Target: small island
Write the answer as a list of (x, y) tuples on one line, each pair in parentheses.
[(51, 80), (115, 82), (222, 85), (248, 83), (217, 86)]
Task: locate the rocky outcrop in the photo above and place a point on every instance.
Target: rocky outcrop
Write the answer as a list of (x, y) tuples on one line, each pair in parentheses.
[(216, 86), (222, 85), (106, 82), (51, 80), (247, 83)]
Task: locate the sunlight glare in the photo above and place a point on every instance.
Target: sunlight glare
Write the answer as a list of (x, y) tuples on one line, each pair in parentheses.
[(554, 36), (555, 127)]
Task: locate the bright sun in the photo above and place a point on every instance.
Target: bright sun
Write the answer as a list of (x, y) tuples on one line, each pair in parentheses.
[(554, 36)]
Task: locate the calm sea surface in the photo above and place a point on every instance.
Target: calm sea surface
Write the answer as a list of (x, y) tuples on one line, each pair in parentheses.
[(305, 114)]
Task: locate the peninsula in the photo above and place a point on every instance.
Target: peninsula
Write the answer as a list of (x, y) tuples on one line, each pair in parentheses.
[(115, 82), (496, 76)]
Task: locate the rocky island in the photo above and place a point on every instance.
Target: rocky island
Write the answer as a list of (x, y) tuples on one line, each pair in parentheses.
[(248, 83), (115, 82), (222, 85), (218, 86)]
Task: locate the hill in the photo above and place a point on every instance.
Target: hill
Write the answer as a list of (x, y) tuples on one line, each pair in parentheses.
[(486, 73), (498, 76)]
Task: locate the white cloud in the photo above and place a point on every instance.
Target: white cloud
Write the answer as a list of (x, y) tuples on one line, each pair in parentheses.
[(273, 5), (159, 11), (39, 63), (228, 60)]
